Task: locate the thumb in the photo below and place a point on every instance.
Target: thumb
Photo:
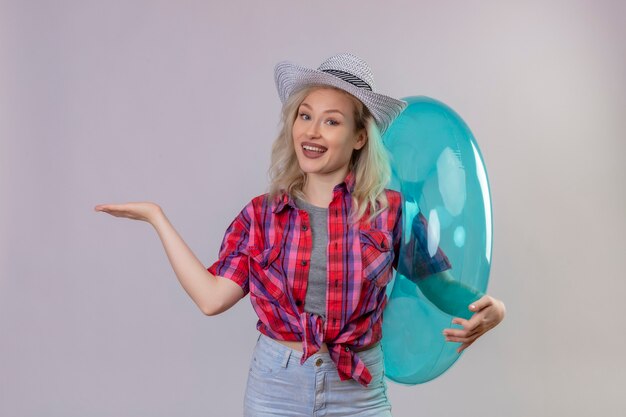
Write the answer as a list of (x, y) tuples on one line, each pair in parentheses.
[(481, 303)]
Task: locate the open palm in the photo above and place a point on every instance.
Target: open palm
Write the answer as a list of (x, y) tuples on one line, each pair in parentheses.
[(144, 211)]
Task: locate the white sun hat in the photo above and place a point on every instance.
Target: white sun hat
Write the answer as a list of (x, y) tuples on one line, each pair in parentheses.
[(344, 71)]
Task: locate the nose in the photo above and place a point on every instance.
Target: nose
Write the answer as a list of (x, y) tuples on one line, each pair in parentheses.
[(313, 129)]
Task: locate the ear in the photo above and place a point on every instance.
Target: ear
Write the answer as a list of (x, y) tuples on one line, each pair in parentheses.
[(361, 139)]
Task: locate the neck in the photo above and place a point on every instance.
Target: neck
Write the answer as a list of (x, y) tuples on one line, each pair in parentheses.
[(319, 188)]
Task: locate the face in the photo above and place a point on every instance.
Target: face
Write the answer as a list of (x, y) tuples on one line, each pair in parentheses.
[(324, 134)]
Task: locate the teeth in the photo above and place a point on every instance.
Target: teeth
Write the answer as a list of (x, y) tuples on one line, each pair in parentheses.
[(313, 148)]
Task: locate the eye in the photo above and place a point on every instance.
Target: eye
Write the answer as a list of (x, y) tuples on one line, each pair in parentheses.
[(304, 116), (332, 122)]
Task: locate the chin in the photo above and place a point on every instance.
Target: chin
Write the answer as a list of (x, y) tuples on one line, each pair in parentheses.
[(309, 167)]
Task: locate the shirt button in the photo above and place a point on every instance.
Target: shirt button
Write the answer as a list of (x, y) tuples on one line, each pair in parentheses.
[(304, 227), (347, 349), (298, 303), (319, 362), (303, 263)]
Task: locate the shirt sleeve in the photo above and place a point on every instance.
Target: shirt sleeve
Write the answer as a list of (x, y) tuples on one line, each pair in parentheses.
[(397, 235), (423, 263), (233, 262), (417, 258)]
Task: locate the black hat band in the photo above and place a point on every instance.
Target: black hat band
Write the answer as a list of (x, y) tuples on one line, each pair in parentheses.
[(346, 76)]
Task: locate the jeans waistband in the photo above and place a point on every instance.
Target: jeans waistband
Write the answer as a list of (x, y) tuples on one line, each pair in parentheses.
[(284, 353)]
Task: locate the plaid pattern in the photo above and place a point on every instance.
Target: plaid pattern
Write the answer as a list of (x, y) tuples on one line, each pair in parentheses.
[(267, 249)]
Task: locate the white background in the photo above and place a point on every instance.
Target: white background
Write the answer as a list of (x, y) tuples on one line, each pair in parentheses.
[(174, 102)]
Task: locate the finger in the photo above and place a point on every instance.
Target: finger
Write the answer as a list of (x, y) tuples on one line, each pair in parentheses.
[(121, 212), (468, 325), (456, 334), (464, 346), (460, 321), (457, 320), (477, 320), (461, 332), (464, 332), (108, 207), (111, 208), (460, 339), (481, 303), (468, 339), (457, 339)]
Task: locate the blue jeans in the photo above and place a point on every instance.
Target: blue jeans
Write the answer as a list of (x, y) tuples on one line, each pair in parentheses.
[(279, 386)]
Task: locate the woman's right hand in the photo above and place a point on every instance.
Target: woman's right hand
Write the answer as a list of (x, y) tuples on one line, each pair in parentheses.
[(145, 211)]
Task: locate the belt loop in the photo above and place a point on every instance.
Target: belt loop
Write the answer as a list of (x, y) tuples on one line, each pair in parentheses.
[(286, 358)]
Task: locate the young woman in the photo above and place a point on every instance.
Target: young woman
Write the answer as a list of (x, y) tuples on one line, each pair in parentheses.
[(316, 251)]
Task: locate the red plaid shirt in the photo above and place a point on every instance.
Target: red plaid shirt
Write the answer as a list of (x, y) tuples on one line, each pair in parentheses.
[(267, 251)]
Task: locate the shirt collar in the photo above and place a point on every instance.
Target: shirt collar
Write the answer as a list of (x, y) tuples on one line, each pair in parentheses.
[(285, 199)]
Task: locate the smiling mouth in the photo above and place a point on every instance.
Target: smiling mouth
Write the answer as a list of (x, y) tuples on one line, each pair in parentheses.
[(311, 148)]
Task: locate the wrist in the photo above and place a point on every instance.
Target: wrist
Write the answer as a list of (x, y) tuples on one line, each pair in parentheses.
[(157, 217)]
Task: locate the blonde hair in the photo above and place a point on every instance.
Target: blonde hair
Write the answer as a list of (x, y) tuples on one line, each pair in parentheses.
[(370, 164)]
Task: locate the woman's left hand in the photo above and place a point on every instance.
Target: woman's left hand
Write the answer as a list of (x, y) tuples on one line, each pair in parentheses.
[(488, 312)]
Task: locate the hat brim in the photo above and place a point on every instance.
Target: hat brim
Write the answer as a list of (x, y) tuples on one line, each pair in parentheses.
[(290, 77)]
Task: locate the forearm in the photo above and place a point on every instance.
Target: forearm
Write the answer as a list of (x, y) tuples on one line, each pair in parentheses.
[(197, 281), (448, 294)]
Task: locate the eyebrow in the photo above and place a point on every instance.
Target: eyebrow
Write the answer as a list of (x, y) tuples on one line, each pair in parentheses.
[(327, 111)]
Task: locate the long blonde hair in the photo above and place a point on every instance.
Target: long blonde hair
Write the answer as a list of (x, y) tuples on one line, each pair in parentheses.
[(370, 164)]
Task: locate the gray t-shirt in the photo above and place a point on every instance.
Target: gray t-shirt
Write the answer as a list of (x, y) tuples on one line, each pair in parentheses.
[(315, 301)]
